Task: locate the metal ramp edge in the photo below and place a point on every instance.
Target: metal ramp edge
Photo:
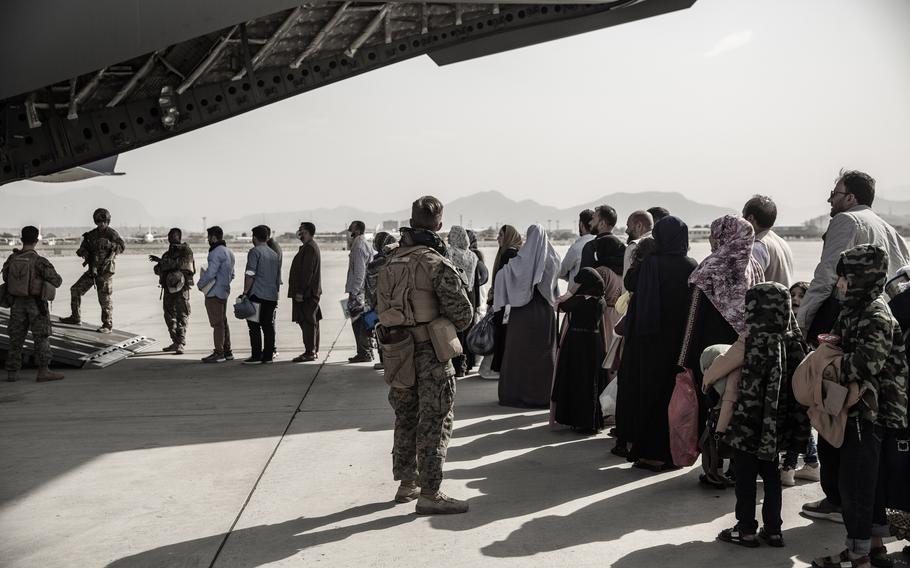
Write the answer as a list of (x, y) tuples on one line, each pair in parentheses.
[(80, 345)]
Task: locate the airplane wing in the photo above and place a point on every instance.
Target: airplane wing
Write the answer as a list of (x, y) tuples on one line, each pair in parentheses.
[(102, 167)]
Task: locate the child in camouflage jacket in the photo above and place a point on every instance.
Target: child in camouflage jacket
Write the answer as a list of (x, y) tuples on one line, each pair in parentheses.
[(767, 419), (875, 358)]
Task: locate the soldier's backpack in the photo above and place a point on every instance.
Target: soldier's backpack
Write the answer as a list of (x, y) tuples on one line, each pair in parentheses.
[(21, 280), (401, 299)]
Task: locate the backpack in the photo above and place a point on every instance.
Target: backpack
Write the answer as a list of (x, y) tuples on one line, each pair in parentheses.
[(399, 300), (21, 278)]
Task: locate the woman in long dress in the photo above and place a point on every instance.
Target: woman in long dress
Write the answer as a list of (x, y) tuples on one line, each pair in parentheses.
[(660, 287), (576, 389), (509, 240), (525, 292)]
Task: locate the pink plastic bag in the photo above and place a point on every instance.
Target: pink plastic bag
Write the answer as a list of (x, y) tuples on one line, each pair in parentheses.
[(683, 418)]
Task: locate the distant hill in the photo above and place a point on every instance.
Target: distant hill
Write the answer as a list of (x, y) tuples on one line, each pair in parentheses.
[(489, 208), (66, 206)]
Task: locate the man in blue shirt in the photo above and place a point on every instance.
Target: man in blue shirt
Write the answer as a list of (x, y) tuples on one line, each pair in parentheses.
[(262, 279), (215, 282)]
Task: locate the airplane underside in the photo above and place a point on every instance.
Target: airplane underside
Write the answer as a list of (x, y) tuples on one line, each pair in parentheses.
[(85, 95)]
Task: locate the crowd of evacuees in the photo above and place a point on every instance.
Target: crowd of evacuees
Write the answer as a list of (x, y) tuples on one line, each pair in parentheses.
[(729, 358)]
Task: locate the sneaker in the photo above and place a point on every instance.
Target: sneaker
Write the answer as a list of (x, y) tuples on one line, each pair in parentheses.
[(360, 359), (787, 477), (228, 355), (440, 504), (252, 361), (268, 361), (72, 320), (809, 472), (214, 358), (103, 329), (169, 348), (304, 358), (823, 510), (407, 492), (378, 366)]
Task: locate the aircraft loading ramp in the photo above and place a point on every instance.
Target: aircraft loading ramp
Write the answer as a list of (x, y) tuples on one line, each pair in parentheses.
[(80, 345)]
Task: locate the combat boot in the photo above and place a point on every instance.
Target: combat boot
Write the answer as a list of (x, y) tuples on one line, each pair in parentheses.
[(440, 504), (407, 492), (72, 320), (12, 376), (45, 375)]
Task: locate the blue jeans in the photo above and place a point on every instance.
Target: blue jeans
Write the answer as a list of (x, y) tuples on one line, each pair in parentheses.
[(792, 456)]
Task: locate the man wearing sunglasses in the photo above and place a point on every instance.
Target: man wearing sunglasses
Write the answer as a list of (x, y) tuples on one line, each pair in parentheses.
[(852, 223)]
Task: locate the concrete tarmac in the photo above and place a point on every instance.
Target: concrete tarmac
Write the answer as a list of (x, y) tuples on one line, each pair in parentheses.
[(161, 461)]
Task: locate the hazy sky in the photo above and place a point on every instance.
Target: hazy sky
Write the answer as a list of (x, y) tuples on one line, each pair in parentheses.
[(723, 100)]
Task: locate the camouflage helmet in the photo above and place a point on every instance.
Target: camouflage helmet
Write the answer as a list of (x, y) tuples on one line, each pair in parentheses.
[(101, 215), (767, 308), (866, 269)]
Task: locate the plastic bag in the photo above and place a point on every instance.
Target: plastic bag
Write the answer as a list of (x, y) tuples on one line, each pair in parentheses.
[(608, 399)]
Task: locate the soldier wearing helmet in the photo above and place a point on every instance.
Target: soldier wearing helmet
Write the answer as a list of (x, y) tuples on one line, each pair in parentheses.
[(99, 248)]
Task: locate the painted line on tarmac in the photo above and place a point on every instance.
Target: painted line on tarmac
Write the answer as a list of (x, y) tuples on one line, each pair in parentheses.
[(268, 462)]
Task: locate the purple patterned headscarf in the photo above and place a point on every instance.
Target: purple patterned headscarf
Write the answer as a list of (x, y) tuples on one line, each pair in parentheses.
[(729, 271)]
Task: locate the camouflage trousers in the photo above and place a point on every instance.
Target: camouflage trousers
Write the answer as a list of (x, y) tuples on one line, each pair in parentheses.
[(25, 314), (176, 315), (104, 284), (424, 415)]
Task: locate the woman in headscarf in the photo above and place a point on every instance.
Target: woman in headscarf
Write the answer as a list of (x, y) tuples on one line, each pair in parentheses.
[(719, 286), (509, 242), (481, 277), (461, 256), (579, 377), (525, 292), (654, 333)]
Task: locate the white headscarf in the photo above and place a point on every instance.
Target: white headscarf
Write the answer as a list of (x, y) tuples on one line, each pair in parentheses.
[(460, 254), (536, 266)]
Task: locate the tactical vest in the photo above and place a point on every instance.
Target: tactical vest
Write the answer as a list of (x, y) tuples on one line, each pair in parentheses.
[(22, 279), (405, 295)]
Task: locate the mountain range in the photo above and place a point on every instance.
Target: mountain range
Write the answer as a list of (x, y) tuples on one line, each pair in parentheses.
[(490, 209), (58, 206)]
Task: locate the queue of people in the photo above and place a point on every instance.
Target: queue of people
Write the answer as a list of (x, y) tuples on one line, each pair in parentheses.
[(642, 322)]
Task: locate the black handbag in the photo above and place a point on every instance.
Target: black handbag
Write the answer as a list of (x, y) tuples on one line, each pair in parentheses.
[(895, 462), (480, 340)]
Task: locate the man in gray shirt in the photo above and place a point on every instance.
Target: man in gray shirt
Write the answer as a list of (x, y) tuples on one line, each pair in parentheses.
[(262, 279)]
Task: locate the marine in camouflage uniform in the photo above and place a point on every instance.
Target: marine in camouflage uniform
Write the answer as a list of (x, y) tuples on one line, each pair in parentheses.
[(99, 249), (31, 313), (424, 413), (176, 261), (767, 419), (875, 358)]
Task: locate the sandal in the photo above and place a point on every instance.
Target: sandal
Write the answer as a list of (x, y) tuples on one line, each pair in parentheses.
[(771, 539), (734, 536), (842, 560), (878, 557)]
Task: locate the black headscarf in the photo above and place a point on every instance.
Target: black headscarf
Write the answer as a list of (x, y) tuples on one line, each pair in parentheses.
[(589, 283), (672, 237), (609, 252)]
